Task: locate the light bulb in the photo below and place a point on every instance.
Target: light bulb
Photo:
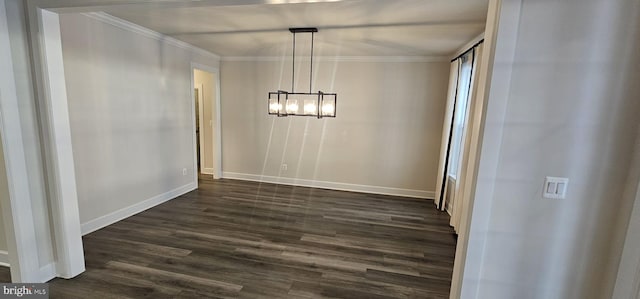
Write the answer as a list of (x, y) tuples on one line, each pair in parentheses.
[(292, 106), (310, 108), (328, 109), (275, 107)]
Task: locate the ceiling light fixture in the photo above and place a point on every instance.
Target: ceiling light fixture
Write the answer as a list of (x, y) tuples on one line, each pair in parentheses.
[(318, 104)]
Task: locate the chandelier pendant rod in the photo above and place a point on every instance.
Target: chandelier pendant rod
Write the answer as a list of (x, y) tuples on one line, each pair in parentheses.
[(293, 64), (311, 68)]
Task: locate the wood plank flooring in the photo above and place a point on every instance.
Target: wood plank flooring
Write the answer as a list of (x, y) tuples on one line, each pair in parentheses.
[(236, 239)]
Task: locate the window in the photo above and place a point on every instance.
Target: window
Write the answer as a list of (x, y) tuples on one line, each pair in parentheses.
[(460, 113)]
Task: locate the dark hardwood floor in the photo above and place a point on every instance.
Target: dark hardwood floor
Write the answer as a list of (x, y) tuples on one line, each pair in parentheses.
[(236, 239)]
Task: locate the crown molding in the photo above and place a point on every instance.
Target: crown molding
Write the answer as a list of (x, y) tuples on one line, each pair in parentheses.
[(135, 28), (342, 58)]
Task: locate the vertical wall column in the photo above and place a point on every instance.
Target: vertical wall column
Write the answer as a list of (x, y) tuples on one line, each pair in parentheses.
[(63, 198), (18, 216)]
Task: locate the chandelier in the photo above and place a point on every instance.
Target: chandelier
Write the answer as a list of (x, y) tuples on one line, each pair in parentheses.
[(318, 104)]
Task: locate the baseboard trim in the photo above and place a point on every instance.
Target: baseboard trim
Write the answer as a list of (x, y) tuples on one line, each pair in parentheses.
[(4, 258), (111, 218), (329, 185), (207, 171), (397, 59)]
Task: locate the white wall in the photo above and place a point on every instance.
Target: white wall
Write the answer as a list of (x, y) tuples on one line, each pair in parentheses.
[(207, 82), (386, 134), (131, 113), (571, 111)]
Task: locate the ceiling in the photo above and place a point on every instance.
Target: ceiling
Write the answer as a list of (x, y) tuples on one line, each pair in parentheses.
[(346, 28)]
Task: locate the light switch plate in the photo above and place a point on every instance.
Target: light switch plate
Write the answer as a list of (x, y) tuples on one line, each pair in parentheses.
[(555, 187)]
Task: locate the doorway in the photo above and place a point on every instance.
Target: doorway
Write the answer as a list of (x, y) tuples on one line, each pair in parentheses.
[(197, 91), (206, 99)]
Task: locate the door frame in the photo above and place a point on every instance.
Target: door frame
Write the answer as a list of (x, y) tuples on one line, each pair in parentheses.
[(217, 132), (199, 124), (51, 95)]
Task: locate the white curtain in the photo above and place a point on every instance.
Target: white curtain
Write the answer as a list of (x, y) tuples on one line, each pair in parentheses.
[(446, 128)]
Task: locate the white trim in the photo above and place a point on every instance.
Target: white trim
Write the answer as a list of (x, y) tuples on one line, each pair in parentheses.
[(135, 28), (113, 217), (207, 171), (217, 132), (75, 6), (217, 138), (200, 124), (193, 123), (47, 272), (329, 185), (44, 274), (4, 258), (64, 201), (342, 58), (17, 213)]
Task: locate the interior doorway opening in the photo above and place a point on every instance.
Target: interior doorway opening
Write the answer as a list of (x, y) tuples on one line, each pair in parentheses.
[(197, 91), (206, 105)]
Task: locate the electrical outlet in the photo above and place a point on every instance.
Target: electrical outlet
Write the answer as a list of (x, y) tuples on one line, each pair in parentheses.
[(184, 171), (284, 167), (555, 188)]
